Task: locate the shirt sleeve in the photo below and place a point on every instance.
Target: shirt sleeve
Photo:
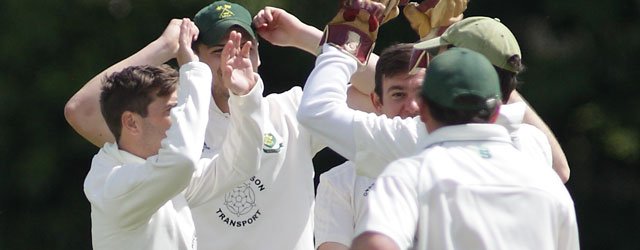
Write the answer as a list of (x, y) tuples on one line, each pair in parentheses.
[(533, 142), (568, 238), (135, 191), (323, 108), (381, 140), (334, 212), (393, 204), (239, 158)]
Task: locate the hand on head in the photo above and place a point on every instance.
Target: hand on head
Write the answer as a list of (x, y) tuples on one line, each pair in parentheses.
[(169, 39), (277, 26), (188, 34)]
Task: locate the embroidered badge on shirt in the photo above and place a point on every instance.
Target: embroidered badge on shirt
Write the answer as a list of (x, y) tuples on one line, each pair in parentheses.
[(270, 144)]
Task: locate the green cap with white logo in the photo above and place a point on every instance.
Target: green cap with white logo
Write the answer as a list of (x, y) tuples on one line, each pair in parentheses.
[(214, 20), (458, 73), (487, 36)]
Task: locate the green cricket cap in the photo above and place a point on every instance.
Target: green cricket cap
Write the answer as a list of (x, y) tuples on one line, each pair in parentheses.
[(460, 72), (485, 35), (214, 20)]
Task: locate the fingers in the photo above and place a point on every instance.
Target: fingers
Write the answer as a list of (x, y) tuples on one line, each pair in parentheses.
[(426, 5), (185, 33), (264, 17), (231, 50), (228, 51), (246, 49), (391, 11), (188, 32), (194, 31)]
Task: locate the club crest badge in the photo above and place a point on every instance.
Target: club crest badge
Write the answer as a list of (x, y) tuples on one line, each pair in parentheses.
[(270, 143), (225, 11)]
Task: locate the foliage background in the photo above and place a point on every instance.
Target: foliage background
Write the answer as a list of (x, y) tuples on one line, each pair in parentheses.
[(581, 78)]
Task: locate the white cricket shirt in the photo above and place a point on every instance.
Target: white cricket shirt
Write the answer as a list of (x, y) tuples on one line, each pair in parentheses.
[(137, 203), (272, 209), (373, 141), (471, 188)]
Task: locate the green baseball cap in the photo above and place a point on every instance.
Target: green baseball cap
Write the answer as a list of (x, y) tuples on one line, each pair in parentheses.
[(461, 72), (214, 20), (485, 35)]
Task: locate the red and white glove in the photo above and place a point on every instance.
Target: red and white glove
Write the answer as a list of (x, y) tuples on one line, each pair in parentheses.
[(355, 28), (430, 18)]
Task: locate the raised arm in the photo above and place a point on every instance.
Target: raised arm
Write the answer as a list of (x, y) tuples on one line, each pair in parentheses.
[(240, 157), (283, 29), (559, 160), (82, 111), (323, 108), (147, 187)]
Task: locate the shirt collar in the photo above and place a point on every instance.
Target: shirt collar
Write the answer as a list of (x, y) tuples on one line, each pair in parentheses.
[(121, 155), (468, 132)]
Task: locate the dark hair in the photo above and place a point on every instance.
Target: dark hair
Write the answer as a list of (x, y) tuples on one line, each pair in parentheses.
[(394, 60), (509, 79), (133, 89), (449, 116)]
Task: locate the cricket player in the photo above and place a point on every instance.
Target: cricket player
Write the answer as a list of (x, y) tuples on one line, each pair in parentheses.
[(373, 141), (470, 187), (395, 95), (142, 199), (281, 193), (485, 35), (382, 140), (135, 184)]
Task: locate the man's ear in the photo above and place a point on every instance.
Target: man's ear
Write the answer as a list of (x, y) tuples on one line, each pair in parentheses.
[(131, 122), (425, 115), (376, 101)]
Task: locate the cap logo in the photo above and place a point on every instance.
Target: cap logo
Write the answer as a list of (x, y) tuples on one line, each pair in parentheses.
[(225, 11)]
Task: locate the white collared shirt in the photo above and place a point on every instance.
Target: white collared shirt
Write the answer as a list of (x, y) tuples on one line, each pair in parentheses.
[(471, 188), (138, 203)]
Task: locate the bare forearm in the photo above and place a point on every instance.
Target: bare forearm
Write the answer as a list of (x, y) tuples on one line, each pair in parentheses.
[(364, 79), (559, 159), (82, 111), (308, 40)]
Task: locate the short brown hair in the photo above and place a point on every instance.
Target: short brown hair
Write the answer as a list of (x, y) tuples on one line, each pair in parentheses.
[(133, 89), (508, 79), (394, 60)]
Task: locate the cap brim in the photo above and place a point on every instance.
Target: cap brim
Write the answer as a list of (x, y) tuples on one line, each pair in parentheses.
[(431, 43)]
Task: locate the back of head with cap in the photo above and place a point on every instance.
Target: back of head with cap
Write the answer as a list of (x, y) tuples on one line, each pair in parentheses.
[(461, 87), (487, 36), (215, 19)]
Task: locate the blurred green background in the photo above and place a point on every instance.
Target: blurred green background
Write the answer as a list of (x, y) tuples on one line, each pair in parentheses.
[(581, 78)]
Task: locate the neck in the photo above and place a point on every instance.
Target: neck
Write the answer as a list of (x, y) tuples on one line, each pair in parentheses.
[(133, 148), (432, 125), (222, 103), (221, 99)]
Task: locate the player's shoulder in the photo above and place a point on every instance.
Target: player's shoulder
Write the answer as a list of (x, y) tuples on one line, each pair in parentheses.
[(408, 167), (530, 130), (290, 98), (345, 169)]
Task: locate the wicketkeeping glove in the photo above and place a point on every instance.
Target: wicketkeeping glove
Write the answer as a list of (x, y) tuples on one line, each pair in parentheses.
[(430, 19), (430, 14), (355, 28)]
